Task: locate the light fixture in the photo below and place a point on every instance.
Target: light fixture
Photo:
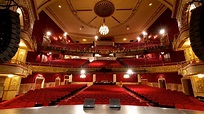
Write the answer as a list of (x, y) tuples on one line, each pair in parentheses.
[(59, 6), (144, 33), (127, 27), (129, 71), (162, 31), (126, 76), (82, 76), (96, 37), (150, 4), (10, 75), (19, 11), (104, 30), (65, 34), (48, 33), (192, 7), (83, 71), (81, 27), (200, 75), (138, 39)]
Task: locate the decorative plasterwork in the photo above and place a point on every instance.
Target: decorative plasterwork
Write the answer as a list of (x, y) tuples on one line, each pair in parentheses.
[(14, 69), (137, 5), (158, 69), (192, 69)]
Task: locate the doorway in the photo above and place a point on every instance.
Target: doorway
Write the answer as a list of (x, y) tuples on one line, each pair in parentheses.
[(162, 82)]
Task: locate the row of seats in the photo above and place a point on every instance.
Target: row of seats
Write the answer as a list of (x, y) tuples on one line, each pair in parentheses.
[(43, 97), (165, 98), (102, 94)]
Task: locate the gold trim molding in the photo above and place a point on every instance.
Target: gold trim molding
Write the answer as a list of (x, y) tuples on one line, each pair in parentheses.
[(14, 69), (157, 69)]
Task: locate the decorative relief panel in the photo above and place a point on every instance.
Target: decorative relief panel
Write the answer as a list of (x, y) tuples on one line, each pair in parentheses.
[(198, 85)]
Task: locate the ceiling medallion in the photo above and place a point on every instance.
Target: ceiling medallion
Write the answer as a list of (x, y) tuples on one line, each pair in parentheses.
[(104, 8)]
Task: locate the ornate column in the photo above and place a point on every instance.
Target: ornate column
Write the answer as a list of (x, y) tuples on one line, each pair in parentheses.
[(94, 77), (70, 78), (189, 55), (11, 87), (139, 79), (114, 77)]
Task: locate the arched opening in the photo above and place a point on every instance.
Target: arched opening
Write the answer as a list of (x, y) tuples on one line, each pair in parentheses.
[(39, 82)]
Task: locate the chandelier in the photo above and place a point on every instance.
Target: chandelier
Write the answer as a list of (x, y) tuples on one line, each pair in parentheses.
[(104, 30)]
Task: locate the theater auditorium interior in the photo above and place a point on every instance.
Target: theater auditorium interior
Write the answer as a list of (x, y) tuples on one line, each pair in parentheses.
[(101, 56)]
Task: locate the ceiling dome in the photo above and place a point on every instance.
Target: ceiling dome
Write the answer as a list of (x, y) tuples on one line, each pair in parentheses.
[(104, 8)]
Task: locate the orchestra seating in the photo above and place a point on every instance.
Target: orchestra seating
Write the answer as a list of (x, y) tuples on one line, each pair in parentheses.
[(102, 94), (165, 98), (42, 97), (105, 64)]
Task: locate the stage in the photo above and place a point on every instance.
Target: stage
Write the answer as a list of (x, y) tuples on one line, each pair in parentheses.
[(98, 109)]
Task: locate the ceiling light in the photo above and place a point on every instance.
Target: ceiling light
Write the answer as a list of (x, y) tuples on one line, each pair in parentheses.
[(104, 30), (81, 27), (138, 39), (65, 34), (84, 40), (150, 4), (127, 27), (162, 31), (124, 39), (96, 37), (48, 33), (59, 6), (144, 33)]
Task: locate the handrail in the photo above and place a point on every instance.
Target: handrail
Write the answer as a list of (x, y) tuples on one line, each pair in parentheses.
[(68, 66)]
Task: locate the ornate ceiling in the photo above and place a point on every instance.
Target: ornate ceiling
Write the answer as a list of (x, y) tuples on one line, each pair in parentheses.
[(82, 18)]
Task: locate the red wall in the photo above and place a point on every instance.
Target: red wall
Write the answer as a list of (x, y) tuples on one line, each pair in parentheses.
[(133, 78), (104, 77), (169, 77), (76, 78), (49, 77), (177, 56)]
